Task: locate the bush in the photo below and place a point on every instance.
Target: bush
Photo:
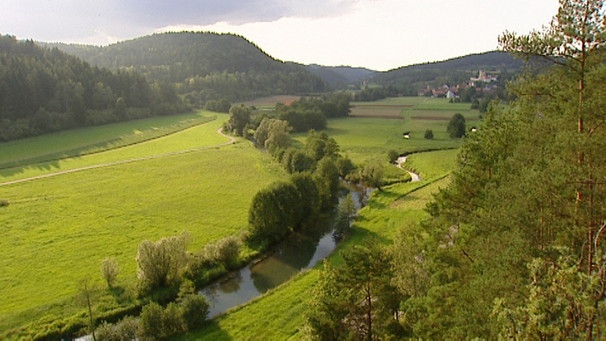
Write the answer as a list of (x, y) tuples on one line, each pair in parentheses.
[(151, 320), (4, 203), (392, 155), (172, 320), (110, 271), (225, 251), (194, 310), (428, 134), (162, 263), (345, 166), (126, 329)]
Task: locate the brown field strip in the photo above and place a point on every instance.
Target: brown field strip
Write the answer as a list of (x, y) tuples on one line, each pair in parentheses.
[(380, 106), (431, 118)]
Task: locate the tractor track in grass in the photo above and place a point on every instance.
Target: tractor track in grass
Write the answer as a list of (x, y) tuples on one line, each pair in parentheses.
[(232, 140)]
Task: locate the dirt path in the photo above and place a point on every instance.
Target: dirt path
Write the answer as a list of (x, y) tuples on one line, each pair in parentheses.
[(232, 140)]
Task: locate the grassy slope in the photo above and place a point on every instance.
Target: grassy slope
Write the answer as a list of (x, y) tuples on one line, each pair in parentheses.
[(57, 230), (91, 138), (195, 137)]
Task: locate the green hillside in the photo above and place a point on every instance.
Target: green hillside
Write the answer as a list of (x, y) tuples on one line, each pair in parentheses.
[(203, 65), (451, 71), (44, 90)]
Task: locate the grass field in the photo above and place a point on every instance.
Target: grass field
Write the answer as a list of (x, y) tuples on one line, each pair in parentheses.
[(367, 138), (57, 230), (87, 140), (191, 138)]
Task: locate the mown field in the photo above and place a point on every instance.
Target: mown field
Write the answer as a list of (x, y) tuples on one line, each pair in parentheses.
[(57, 230), (88, 140), (372, 136)]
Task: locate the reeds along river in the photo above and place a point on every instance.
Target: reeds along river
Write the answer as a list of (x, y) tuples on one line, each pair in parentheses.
[(299, 252)]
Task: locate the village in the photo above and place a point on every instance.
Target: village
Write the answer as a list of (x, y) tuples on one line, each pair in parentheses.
[(484, 84)]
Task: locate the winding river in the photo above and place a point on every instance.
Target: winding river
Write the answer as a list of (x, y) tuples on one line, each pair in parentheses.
[(299, 252)]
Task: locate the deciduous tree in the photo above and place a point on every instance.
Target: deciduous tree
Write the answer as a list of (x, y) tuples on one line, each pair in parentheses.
[(456, 126), (161, 263)]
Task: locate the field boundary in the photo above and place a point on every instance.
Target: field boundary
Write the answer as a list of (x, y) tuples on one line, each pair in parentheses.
[(70, 153)]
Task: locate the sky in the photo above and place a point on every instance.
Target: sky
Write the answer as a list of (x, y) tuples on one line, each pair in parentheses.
[(376, 34)]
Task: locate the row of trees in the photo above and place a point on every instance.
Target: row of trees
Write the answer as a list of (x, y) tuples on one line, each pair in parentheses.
[(187, 313), (514, 247), (312, 188), (312, 112), (301, 115), (45, 90)]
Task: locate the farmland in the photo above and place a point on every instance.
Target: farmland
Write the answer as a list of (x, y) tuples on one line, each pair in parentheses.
[(57, 230), (370, 136)]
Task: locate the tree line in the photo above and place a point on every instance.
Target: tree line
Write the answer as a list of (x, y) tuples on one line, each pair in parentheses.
[(44, 90)]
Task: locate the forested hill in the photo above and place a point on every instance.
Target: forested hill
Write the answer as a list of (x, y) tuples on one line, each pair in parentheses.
[(451, 71), (204, 65), (44, 90), (341, 76)]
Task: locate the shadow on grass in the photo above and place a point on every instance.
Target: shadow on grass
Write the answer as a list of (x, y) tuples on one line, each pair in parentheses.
[(210, 331)]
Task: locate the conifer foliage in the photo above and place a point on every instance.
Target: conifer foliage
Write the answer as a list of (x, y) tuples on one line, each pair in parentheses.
[(44, 90)]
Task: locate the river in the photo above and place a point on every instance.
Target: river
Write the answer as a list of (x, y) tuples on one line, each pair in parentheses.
[(299, 252)]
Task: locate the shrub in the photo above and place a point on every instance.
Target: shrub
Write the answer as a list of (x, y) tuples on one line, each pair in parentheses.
[(110, 271), (345, 166), (151, 320), (162, 263), (225, 251), (172, 320), (428, 134), (392, 155), (194, 310), (126, 329), (108, 332), (4, 203)]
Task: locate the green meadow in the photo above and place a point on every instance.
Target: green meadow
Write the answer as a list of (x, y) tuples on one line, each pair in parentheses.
[(78, 142), (196, 136), (58, 229), (370, 137)]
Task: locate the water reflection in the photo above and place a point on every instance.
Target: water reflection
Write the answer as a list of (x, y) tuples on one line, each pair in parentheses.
[(300, 251)]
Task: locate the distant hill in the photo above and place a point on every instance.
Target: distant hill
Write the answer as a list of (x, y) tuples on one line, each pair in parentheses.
[(44, 90), (204, 65), (341, 76), (456, 70)]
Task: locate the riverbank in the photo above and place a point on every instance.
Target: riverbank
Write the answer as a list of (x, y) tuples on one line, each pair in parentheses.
[(414, 177), (279, 314)]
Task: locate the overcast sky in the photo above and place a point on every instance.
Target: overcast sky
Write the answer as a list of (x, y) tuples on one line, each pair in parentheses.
[(377, 34)]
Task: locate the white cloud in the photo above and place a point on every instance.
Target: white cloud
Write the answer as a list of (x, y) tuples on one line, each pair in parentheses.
[(379, 34), (385, 34)]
